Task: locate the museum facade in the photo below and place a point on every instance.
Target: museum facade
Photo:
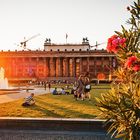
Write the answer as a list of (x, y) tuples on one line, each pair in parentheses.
[(57, 62)]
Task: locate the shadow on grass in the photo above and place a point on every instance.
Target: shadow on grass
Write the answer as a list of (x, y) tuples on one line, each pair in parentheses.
[(71, 99), (56, 110), (44, 111)]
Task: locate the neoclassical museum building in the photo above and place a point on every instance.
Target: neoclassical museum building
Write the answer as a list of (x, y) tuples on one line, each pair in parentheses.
[(57, 62)]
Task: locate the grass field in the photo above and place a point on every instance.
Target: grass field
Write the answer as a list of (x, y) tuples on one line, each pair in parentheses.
[(55, 106)]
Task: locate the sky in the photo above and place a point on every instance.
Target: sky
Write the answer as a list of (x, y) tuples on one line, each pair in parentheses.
[(95, 19)]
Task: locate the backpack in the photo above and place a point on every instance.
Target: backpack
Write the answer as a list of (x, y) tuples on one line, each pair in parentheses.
[(88, 86)]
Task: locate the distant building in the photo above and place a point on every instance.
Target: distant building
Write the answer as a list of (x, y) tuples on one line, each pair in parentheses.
[(57, 62)]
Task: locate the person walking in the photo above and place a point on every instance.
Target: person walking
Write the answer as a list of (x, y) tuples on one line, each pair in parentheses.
[(49, 86), (45, 85)]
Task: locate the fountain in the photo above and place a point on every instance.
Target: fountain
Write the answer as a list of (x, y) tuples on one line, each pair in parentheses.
[(3, 80), (4, 88)]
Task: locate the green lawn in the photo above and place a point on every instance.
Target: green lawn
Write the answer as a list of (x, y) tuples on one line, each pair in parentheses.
[(55, 106)]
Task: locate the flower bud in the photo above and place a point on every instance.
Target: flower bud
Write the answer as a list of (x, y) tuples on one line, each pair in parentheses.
[(128, 8)]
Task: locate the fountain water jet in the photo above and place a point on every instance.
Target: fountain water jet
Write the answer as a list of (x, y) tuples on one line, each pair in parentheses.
[(3, 80)]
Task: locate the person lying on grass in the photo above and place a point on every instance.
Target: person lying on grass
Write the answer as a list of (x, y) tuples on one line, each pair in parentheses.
[(29, 100)]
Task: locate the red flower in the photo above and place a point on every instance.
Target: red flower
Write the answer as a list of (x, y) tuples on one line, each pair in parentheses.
[(136, 68), (114, 43), (130, 61), (114, 37)]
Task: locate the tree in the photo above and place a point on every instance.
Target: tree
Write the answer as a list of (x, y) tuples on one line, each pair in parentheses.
[(121, 105)]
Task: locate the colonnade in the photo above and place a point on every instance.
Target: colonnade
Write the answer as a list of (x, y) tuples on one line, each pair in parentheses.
[(60, 67), (42, 67)]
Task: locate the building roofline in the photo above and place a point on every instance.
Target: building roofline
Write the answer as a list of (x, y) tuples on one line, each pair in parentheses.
[(67, 44)]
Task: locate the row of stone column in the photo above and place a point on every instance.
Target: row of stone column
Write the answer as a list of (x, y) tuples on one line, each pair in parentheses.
[(54, 66), (42, 67), (60, 67)]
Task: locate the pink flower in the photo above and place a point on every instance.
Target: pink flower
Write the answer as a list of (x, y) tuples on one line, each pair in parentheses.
[(114, 43), (122, 42)]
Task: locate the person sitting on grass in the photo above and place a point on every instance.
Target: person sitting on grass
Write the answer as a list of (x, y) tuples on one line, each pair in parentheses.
[(55, 91), (63, 91), (29, 100)]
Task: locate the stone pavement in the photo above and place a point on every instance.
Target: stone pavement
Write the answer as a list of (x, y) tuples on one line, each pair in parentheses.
[(8, 97)]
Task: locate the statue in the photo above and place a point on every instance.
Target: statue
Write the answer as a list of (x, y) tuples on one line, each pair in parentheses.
[(83, 39), (48, 40)]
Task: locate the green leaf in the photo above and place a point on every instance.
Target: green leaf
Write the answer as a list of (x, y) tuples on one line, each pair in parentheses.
[(119, 33)]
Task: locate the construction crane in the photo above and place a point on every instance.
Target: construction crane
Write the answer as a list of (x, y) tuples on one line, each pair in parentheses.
[(96, 45), (23, 43)]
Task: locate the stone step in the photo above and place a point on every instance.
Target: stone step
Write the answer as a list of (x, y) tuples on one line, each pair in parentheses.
[(51, 135), (52, 129)]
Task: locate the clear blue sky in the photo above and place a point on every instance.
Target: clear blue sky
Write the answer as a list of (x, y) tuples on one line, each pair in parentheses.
[(95, 19)]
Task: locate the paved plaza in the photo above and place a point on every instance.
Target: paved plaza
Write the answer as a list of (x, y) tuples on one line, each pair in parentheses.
[(8, 97)]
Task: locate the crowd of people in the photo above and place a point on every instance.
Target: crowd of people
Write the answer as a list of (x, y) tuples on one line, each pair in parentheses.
[(81, 90)]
